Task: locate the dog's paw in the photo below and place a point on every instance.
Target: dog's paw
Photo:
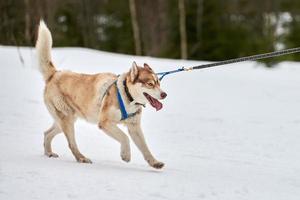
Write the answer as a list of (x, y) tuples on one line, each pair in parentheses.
[(154, 163), (51, 155), (126, 156), (158, 165), (84, 160)]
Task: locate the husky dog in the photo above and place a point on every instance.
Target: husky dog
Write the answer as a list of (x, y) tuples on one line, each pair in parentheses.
[(96, 98)]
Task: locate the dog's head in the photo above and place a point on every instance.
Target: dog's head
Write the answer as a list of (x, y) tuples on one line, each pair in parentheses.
[(144, 86)]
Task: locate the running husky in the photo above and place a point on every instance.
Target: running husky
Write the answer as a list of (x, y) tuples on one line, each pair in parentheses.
[(98, 99)]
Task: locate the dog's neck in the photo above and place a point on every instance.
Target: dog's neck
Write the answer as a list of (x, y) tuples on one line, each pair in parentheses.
[(122, 85), (129, 96)]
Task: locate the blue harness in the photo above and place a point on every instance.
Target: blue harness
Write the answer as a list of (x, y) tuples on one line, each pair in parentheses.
[(124, 113)]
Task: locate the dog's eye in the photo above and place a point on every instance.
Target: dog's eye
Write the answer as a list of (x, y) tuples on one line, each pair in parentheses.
[(150, 84)]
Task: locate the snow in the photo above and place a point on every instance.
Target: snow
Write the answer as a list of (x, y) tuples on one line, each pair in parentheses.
[(229, 132)]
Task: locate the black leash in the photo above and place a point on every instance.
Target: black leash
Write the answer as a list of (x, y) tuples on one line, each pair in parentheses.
[(235, 60)]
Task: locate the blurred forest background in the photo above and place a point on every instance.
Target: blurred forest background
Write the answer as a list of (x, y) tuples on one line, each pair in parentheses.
[(189, 29)]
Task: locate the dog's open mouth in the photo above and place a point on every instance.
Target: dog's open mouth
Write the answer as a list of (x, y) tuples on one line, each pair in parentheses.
[(154, 102)]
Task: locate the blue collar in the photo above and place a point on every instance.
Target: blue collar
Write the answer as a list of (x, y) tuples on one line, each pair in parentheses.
[(124, 113)]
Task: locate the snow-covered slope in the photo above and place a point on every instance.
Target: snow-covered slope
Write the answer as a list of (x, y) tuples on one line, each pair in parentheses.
[(231, 132)]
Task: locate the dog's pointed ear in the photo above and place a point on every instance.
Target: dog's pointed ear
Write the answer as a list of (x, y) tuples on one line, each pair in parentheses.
[(134, 71), (146, 66)]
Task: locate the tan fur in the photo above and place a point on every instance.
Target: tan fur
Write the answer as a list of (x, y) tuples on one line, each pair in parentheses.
[(70, 95)]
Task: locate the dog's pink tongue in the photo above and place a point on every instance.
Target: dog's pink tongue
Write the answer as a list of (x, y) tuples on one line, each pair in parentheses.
[(157, 105)]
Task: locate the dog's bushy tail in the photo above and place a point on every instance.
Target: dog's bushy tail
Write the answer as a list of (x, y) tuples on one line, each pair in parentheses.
[(43, 47)]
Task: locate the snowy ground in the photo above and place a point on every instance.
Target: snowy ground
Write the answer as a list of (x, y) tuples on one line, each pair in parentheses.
[(224, 133)]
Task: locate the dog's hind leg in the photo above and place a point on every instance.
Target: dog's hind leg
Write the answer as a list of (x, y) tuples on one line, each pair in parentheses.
[(48, 136), (116, 133), (137, 136), (67, 125)]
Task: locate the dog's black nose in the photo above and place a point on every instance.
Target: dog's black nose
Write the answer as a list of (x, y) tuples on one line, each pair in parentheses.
[(163, 95)]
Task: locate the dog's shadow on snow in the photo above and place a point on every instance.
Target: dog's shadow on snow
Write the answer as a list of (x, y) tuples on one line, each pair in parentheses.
[(108, 166), (118, 166)]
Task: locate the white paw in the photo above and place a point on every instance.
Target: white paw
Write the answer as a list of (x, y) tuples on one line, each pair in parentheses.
[(125, 155), (51, 155), (84, 160), (155, 164), (158, 165)]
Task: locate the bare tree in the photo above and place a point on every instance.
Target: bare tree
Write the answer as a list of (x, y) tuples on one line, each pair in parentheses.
[(182, 29), (199, 20), (135, 28), (27, 22), (155, 26)]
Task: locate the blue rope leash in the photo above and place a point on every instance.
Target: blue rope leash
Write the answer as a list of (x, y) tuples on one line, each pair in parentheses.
[(163, 74), (235, 60)]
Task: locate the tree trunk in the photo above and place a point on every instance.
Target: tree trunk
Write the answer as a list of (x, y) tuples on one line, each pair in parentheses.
[(182, 28), (199, 20), (197, 45), (135, 28), (86, 24), (27, 23)]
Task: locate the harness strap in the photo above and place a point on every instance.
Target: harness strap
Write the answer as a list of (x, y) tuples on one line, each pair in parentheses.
[(104, 90), (121, 104), (124, 113)]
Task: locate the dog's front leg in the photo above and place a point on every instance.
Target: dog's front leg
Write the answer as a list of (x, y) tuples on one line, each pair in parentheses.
[(137, 136), (116, 133)]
